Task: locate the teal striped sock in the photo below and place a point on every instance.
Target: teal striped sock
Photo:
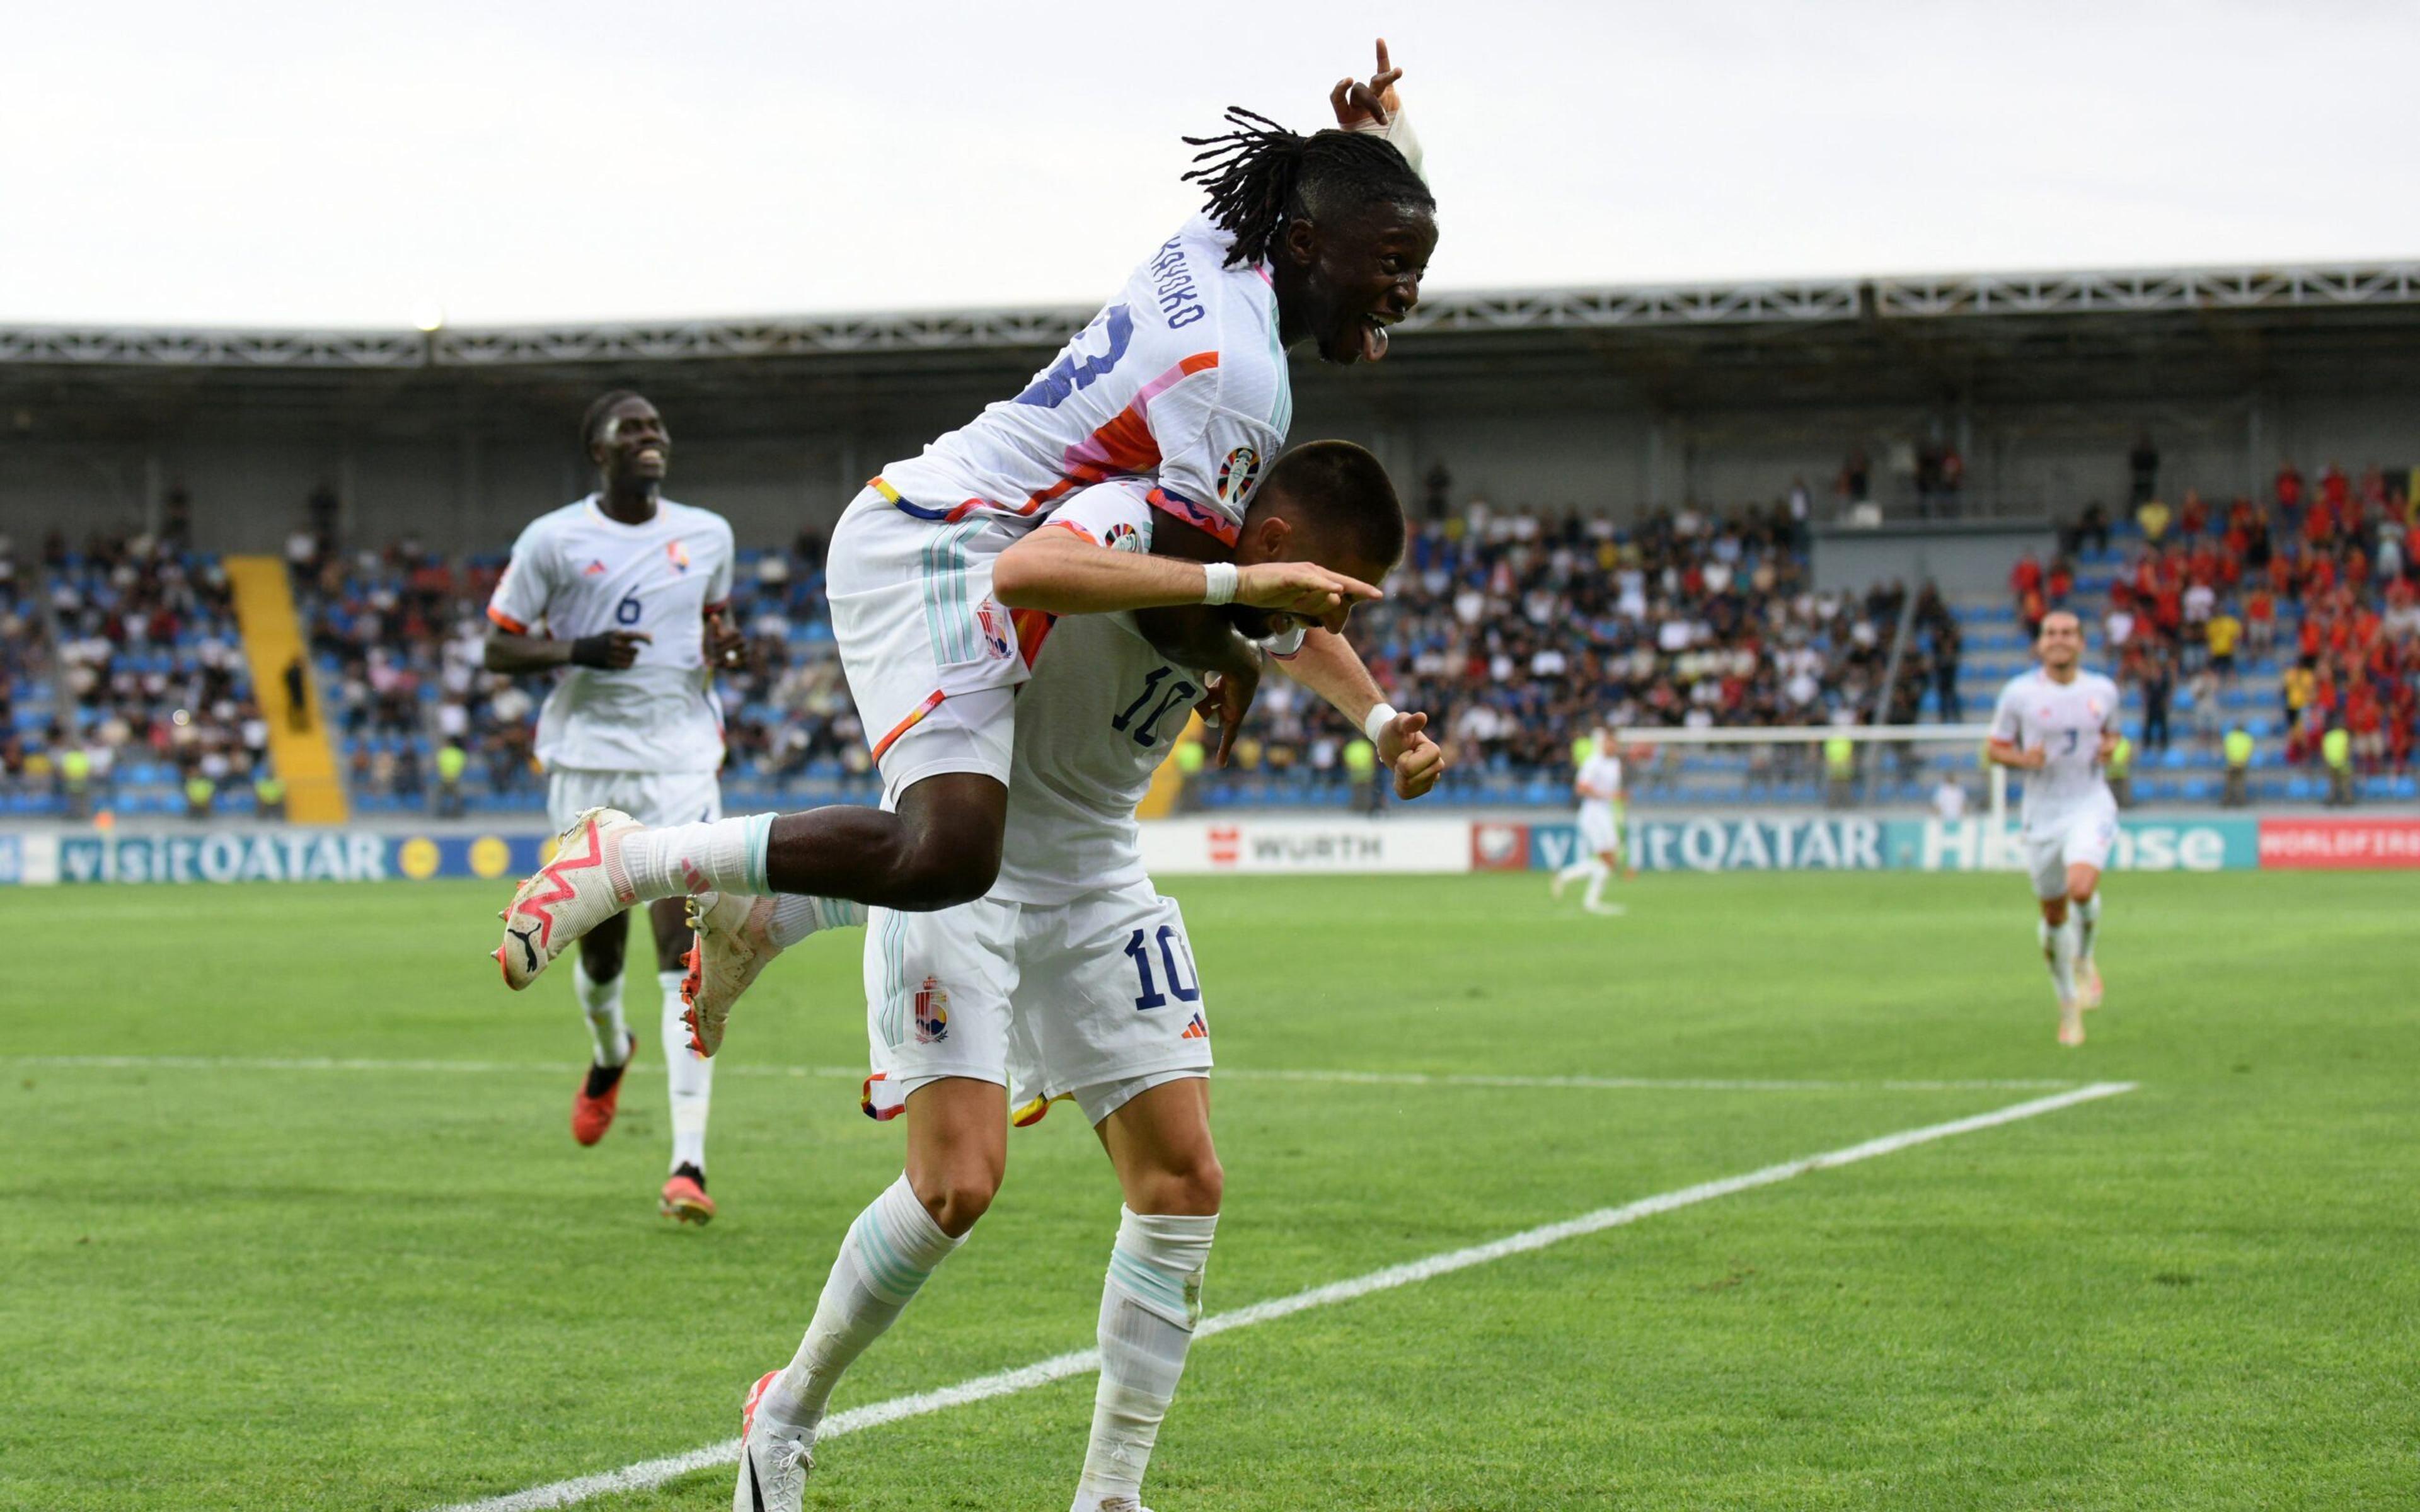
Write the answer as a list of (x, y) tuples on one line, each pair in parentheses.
[(890, 1252)]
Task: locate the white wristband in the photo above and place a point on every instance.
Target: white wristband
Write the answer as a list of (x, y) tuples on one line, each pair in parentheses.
[(1220, 585), (1380, 717)]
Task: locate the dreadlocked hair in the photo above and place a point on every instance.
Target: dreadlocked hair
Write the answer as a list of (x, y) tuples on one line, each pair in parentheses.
[(1260, 176), (594, 421)]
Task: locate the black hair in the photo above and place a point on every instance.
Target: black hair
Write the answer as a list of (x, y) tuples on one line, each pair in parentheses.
[(594, 421), (1336, 486), (1260, 175)]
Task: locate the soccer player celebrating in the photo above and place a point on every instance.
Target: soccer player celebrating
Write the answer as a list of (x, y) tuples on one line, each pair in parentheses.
[(1183, 382), (1072, 981), (2058, 724), (629, 589), (1598, 787)]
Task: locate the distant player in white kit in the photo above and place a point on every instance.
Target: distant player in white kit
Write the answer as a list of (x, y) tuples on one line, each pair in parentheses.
[(622, 593), (1598, 786), (1074, 979), (2057, 725)]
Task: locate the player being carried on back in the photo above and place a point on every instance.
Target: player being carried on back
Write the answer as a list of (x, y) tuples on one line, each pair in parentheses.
[(2058, 724), (1183, 382), (1072, 981)]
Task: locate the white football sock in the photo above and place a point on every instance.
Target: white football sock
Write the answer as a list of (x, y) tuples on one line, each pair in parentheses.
[(2058, 950), (1575, 870), (796, 915), (2088, 919), (691, 1076), (1149, 1306), (600, 1003), (890, 1252), (713, 856), (1599, 874)]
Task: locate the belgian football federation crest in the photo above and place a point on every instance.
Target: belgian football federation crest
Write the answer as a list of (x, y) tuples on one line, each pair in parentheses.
[(993, 621), (678, 555), (932, 1012), (1236, 476)]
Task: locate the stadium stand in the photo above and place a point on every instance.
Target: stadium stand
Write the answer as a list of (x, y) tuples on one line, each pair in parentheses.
[(154, 693), (1517, 630)]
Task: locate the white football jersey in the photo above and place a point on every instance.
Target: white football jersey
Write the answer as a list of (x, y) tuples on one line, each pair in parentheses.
[(577, 573), (1603, 773), (1092, 723), (2066, 721), (1180, 381)]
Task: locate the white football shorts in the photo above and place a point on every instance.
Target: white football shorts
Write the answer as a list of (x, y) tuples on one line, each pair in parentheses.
[(1096, 1001), (652, 799), (1600, 832), (922, 640), (2081, 839)]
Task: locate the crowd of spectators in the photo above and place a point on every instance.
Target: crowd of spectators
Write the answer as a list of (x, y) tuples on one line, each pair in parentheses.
[(153, 703), (2320, 577)]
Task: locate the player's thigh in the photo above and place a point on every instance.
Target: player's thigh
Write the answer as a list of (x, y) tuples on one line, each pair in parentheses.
[(2088, 843), (571, 791), (919, 630), (2046, 863), (1597, 833), (1109, 1002), (936, 997)]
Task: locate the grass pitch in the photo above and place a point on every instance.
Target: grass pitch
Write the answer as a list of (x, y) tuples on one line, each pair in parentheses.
[(253, 1286)]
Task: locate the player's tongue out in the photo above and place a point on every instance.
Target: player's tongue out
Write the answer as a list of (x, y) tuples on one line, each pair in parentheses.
[(1373, 341)]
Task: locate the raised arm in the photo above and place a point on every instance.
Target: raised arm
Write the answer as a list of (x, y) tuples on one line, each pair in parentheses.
[(1329, 667)]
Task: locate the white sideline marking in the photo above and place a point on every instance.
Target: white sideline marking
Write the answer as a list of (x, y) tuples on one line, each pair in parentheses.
[(1356, 1078), (649, 1473)]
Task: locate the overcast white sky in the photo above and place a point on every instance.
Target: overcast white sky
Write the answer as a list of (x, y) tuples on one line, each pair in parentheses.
[(298, 163)]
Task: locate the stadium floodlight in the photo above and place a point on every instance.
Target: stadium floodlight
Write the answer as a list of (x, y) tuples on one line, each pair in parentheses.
[(429, 316)]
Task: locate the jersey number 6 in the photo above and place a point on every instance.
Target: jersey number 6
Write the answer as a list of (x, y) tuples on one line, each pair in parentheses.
[(627, 611)]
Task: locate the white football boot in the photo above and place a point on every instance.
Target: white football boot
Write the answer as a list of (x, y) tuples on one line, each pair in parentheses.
[(580, 888), (775, 1459), (732, 942)]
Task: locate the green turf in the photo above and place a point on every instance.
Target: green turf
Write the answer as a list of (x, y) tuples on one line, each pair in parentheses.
[(251, 1288)]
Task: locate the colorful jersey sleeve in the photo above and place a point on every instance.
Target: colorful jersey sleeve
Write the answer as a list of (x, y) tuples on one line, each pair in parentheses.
[(1114, 515), (523, 592)]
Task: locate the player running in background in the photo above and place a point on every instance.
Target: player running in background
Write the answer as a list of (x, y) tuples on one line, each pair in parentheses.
[(1072, 981), (1182, 381), (2058, 724), (622, 595), (1598, 786)]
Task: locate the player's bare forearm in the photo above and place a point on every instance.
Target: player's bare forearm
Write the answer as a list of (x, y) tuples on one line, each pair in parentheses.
[(2007, 753), (1059, 572), (505, 652), (1329, 667)]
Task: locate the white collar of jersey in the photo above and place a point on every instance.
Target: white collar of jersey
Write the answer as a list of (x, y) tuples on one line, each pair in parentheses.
[(595, 502)]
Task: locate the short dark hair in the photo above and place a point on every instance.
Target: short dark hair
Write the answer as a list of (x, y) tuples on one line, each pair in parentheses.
[(1260, 176), (594, 421), (1336, 486)]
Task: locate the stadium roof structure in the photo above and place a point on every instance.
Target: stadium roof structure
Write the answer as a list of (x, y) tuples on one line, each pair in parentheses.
[(1767, 303), (1756, 351)]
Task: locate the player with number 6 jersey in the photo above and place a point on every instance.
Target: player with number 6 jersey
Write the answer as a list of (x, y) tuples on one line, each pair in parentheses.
[(621, 596)]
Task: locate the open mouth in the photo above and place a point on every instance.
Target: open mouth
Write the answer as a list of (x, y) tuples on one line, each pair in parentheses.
[(649, 454), (1373, 338)]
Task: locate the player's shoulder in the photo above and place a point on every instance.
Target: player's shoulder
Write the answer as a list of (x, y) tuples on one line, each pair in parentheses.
[(2021, 684), (1116, 513), (2104, 685), (692, 518), (557, 524)]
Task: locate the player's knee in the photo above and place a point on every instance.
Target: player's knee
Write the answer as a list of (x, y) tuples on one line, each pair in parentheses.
[(1191, 1186), (958, 1198)]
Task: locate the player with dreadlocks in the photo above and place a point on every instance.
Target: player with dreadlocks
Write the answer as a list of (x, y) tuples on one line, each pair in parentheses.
[(1320, 238)]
